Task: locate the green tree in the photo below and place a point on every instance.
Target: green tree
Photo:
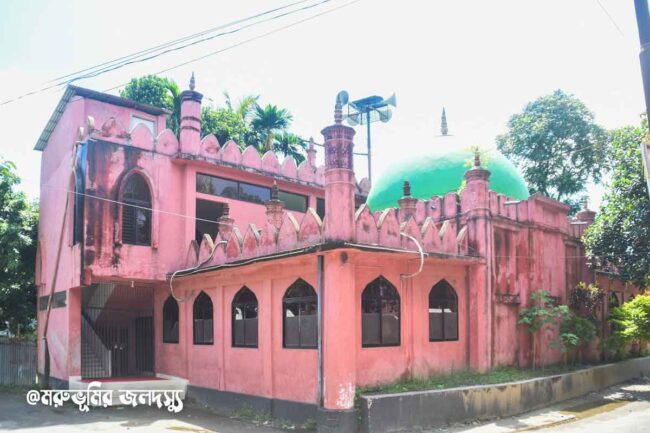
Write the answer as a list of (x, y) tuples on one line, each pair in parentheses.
[(557, 145), (268, 122), (575, 333), (225, 124), (245, 106), (290, 144), (158, 91), (18, 234), (632, 322), (620, 236)]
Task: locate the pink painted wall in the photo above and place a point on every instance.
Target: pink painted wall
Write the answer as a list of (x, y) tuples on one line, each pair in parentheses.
[(487, 250)]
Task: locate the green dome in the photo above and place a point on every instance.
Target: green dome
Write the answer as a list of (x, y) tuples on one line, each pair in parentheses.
[(439, 174)]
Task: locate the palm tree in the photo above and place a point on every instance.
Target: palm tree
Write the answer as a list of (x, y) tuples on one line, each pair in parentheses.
[(245, 105), (290, 144), (269, 121)]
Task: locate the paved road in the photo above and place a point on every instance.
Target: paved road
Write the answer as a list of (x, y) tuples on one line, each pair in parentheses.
[(619, 409), (19, 417)]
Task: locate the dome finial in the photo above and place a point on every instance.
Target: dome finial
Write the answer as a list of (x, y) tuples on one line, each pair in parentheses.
[(406, 188), (443, 123), (192, 82), (477, 158)]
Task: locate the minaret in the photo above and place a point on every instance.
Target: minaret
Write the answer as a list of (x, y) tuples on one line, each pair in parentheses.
[(274, 208), (311, 153), (339, 179), (443, 123), (190, 127)]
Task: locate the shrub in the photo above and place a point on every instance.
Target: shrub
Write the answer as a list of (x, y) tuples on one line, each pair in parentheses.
[(542, 314), (631, 322)]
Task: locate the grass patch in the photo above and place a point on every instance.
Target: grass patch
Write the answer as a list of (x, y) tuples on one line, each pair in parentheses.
[(467, 378)]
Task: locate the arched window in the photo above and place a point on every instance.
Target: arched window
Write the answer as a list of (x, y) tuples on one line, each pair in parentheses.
[(380, 314), (299, 308), (136, 216), (244, 319), (170, 321), (203, 313), (443, 312)]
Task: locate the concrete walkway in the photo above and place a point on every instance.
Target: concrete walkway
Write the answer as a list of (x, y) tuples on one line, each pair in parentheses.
[(623, 408), (17, 416)]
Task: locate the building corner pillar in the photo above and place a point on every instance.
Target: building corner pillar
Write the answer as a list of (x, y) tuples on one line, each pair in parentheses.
[(336, 412), (475, 203)]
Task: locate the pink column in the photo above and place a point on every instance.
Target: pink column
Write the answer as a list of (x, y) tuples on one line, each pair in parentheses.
[(190, 127), (339, 180), (475, 201), (340, 320)]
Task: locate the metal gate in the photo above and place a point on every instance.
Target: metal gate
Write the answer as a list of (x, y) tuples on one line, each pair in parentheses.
[(116, 331)]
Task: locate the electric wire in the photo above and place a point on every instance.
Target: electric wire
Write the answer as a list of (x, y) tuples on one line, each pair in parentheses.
[(175, 41), (58, 85)]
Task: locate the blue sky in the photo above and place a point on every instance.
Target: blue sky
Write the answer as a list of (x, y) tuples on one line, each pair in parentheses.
[(482, 60)]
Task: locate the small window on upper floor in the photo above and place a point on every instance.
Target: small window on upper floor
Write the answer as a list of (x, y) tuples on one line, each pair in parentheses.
[(293, 201), (207, 213), (136, 211), (150, 124), (320, 207)]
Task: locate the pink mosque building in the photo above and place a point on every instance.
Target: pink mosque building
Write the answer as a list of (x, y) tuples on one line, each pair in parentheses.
[(248, 280)]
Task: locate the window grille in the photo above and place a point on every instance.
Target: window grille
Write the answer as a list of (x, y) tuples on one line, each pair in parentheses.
[(244, 319), (380, 309), (300, 319)]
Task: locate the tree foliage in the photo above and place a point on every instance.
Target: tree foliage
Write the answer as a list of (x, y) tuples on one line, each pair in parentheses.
[(18, 234), (541, 314), (632, 321), (620, 236), (557, 145), (575, 332), (158, 91), (224, 123), (586, 300), (245, 122)]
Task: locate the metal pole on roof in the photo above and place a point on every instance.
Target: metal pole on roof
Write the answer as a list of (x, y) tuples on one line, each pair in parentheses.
[(643, 23), (369, 151)]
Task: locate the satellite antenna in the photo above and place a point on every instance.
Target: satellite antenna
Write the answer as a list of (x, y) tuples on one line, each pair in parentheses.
[(366, 111)]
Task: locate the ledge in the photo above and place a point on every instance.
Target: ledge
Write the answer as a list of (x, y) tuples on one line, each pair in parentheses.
[(404, 411)]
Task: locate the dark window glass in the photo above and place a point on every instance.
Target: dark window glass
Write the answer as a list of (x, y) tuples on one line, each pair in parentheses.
[(136, 211), (296, 202), (58, 300), (244, 319), (380, 310), (78, 214), (203, 319), (443, 312), (254, 193), (320, 207), (210, 211), (300, 325), (170, 321), (232, 189)]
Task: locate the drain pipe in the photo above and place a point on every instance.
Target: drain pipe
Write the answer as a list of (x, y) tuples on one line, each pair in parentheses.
[(320, 268), (213, 248)]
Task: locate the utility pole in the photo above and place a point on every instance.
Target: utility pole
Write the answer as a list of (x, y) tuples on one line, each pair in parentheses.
[(643, 23)]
